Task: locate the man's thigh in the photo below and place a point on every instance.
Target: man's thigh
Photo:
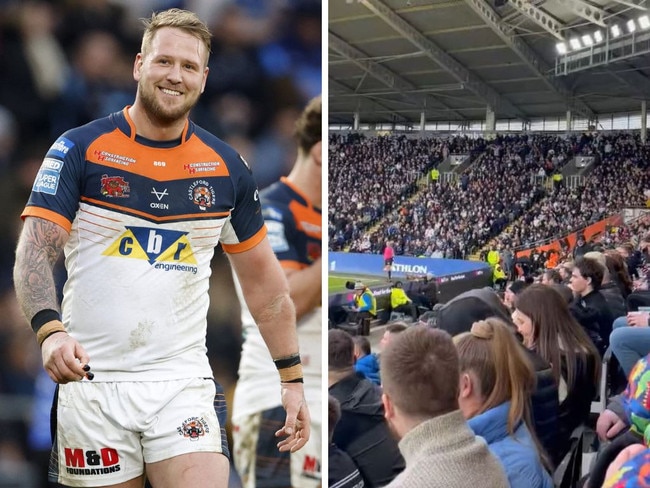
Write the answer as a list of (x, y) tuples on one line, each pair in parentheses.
[(105, 432)]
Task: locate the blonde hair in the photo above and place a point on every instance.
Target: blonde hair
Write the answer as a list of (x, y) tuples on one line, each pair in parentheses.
[(504, 373), (180, 19)]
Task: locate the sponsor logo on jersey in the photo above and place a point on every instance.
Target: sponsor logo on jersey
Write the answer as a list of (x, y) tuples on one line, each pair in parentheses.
[(194, 428), (202, 167), (311, 468), (167, 250), (60, 147), (115, 186), (202, 194), (91, 462), (47, 179), (314, 251), (159, 195), (109, 157), (276, 235)]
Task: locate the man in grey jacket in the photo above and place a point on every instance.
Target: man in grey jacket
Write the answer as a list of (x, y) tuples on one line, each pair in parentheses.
[(420, 378)]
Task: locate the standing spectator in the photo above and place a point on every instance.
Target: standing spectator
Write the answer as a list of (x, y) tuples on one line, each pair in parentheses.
[(420, 373)]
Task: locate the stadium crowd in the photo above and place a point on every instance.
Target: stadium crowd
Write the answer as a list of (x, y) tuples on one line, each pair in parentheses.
[(66, 63), (525, 370), (505, 193)]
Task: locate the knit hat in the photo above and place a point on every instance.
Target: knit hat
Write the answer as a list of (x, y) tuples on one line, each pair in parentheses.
[(359, 286), (635, 473)]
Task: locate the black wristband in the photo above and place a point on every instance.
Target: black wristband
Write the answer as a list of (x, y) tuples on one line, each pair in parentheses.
[(297, 380), (43, 317), (287, 362)]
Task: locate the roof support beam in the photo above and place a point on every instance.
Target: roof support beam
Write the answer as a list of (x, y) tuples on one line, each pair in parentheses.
[(534, 62), (635, 80), (632, 3), (540, 17), (587, 11), (381, 73), (449, 64)]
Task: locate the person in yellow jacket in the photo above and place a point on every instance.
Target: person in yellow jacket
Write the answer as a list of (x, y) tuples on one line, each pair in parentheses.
[(400, 302), (364, 307), (499, 277)]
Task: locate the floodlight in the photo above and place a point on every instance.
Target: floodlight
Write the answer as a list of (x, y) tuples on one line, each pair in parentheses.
[(561, 48), (644, 22), (575, 43), (616, 31), (631, 25), (598, 36), (587, 40)]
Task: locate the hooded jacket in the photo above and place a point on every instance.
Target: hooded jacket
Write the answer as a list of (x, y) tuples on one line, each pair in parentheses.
[(362, 431)]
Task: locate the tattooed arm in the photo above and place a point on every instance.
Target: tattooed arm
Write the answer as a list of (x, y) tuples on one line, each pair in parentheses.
[(39, 247)]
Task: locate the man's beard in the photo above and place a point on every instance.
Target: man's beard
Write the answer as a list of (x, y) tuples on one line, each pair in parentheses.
[(162, 115)]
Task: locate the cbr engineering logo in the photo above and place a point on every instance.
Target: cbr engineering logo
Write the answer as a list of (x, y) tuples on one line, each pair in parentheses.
[(168, 250)]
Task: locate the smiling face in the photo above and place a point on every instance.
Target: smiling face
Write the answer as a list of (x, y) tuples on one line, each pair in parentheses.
[(171, 75)]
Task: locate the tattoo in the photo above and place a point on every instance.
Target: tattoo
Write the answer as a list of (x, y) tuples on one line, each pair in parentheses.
[(39, 247)]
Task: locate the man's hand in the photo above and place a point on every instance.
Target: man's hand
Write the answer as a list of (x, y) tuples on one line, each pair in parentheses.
[(638, 319), (64, 358), (608, 425), (297, 425)]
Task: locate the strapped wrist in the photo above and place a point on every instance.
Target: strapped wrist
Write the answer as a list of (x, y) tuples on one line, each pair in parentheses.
[(48, 329), (43, 317), (290, 368)]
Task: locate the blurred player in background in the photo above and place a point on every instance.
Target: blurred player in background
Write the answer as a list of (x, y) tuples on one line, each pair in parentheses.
[(292, 212), (138, 201)]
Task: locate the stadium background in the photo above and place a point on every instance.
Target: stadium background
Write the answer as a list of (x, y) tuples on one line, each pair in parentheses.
[(64, 63), (433, 83)]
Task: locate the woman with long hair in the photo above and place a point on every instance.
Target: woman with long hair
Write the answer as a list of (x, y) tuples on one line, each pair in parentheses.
[(544, 320), (496, 381), (619, 272)]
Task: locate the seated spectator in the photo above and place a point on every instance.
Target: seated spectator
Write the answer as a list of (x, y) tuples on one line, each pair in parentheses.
[(341, 471), (608, 288), (496, 382), (590, 306), (472, 306), (366, 362), (390, 332), (420, 374), (543, 319), (630, 339), (512, 290), (364, 307), (400, 302), (618, 272), (630, 468), (551, 276), (362, 431)]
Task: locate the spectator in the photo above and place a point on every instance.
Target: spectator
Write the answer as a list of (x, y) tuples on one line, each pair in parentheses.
[(420, 374), (365, 361), (400, 302), (496, 382), (543, 319), (589, 306), (342, 472), (391, 331), (362, 431)]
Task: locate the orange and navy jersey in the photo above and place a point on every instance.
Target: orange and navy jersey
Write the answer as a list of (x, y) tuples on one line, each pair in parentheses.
[(144, 218), (294, 225), (294, 230)]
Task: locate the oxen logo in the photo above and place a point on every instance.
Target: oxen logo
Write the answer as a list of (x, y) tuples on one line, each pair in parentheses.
[(115, 186), (194, 428)]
